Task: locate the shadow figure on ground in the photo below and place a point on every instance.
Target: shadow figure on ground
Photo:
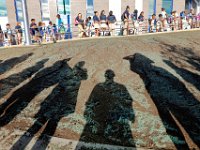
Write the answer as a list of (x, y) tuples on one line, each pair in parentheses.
[(20, 98), (60, 103), (182, 53), (172, 99), (187, 75), (10, 63), (7, 84), (108, 113)]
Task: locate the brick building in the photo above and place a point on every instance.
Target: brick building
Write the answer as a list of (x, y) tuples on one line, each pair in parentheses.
[(45, 10)]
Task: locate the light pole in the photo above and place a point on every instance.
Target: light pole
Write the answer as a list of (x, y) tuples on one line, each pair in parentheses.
[(26, 23)]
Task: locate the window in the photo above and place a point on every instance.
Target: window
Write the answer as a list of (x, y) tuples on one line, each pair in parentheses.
[(168, 5), (3, 9), (45, 10), (18, 10), (89, 8), (3, 14), (61, 7), (152, 8)]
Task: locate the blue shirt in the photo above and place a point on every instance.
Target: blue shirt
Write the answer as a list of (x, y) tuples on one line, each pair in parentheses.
[(112, 19), (59, 22), (103, 17), (96, 19), (126, 13)]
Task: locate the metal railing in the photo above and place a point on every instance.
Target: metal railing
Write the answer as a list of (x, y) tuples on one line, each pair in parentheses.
[(134, 28)]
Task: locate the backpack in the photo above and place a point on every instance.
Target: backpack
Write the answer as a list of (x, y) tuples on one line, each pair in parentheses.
[(76, 22), (123, 17), (62, 30)]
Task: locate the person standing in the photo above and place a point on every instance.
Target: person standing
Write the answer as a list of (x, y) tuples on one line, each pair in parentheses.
[(80, 24), (163, 12), (62, 30), (9, 34), (125, 19), (59, 21), (33, 27), (153, 23), (111, 23), (141, 22), (96, 21), (103, 21), (88, 24), (19, 32)]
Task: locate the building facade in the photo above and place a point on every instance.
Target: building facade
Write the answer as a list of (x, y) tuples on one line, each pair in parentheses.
[(45, 10)]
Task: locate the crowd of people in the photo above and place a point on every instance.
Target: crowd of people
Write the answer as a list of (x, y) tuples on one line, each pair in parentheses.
[(136, 23), (103, 25)]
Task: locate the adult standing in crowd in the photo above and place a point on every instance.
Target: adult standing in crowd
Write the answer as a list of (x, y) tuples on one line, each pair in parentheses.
[(111, 23), (125, 19), (96, 21), (59, 21), (103, 21), (19, 32)]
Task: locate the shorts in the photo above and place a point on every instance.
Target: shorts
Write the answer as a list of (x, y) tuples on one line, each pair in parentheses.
[(104, 25), (96, 26)]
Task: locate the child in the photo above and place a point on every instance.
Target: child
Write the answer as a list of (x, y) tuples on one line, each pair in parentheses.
[(9, 34), (88, 26), (153, 23), (19, 32), (32, 29), (39, 33), (54, 33), (62, 31), (44, 31), (49, 31)]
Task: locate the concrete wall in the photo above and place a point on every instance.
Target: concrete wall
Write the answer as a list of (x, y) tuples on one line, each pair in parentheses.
[(158, 7), (179, 5), (130, 3), (77, 6), (80, 6), (53, 10), (34, 10), (11, 13), (145, 8), (100, 5)]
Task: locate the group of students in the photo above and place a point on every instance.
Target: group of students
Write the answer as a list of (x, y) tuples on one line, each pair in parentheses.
[(12, 36), (99, 24), (136, 23), (103, 25), (174, 21), (52, 32)]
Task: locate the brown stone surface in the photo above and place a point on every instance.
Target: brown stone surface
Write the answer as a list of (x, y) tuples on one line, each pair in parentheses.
[(153, 101)]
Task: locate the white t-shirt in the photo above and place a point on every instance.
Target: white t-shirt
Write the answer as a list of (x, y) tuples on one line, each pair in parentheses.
[(164, 14)]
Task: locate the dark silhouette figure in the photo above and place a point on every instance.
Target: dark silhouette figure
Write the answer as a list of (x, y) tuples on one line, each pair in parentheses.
[(7, 84), (60, 103), (23, 96), (188, 76), (182, 53), (108, 112), (172, 100), (10, 63)]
